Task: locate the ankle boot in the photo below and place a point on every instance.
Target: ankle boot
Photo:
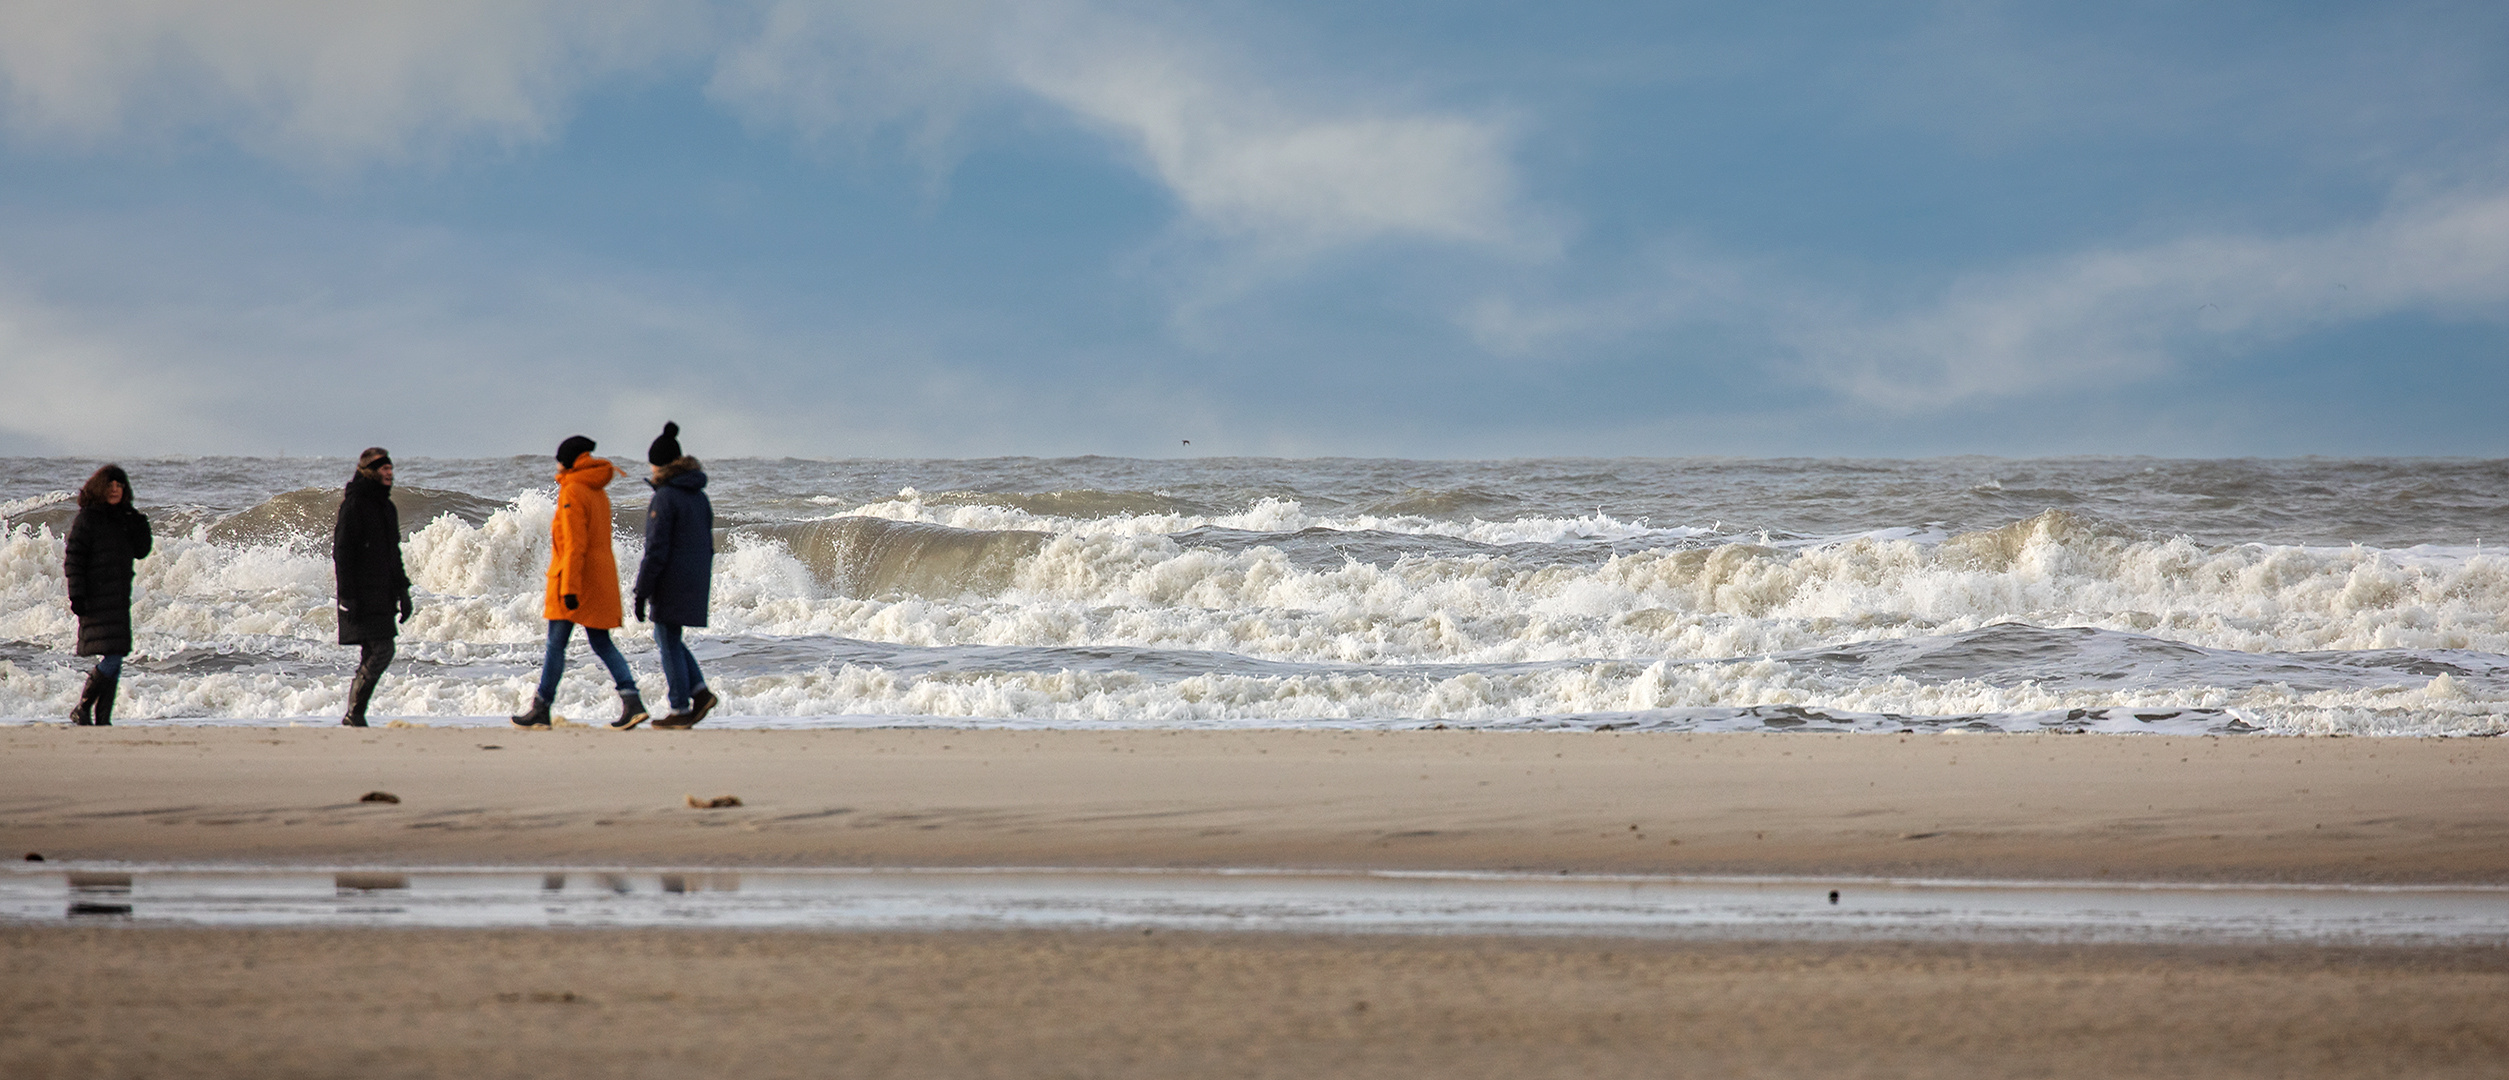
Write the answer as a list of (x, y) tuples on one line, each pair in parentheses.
[(631, 710), (104, 701), (535, 717), (85, 714)]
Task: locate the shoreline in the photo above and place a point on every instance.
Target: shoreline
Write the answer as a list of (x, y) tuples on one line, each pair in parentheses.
[(2089, 808), (535, 1002)]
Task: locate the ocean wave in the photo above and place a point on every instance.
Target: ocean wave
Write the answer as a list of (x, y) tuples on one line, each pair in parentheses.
[(1331, 616), (306, 515)]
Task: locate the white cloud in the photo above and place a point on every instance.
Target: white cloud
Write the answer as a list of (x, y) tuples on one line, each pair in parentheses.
[(1244, 158), (342, 84), (2110, 317), (333, 83), (2090, 320), (70, 392)]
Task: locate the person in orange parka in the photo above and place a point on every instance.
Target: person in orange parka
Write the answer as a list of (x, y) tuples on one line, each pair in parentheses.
[(583, 582)]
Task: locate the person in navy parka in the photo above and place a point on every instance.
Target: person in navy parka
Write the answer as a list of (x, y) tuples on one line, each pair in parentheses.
[(677, 577)]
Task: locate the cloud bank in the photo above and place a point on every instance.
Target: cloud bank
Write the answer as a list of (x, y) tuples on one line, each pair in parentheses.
[(327, 84)]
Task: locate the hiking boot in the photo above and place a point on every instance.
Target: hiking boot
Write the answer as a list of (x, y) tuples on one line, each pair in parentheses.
[(535, 717), (352, 721), (701, 703), (631, 710)]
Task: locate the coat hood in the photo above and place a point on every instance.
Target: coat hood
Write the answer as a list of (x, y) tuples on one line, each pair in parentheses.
[(589, 471), (684, 472)]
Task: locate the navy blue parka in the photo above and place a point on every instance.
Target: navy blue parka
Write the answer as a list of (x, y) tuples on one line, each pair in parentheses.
[(677, 576)]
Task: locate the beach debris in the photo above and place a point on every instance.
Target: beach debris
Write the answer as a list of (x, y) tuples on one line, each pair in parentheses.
[(403, 724), (34, 856), (491, 746), (1833, 896), (716, 803), (560, 721), (379, 796)]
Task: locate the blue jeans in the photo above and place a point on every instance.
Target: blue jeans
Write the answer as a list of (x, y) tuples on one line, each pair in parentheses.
[(679, 666), (109, 666), (553, 664)]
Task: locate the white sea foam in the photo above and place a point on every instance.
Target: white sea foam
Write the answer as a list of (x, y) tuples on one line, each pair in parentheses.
[(1610, 616)]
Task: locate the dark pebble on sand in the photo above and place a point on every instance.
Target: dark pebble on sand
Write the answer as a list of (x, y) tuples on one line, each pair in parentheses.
[(380, 796), (34, 856)]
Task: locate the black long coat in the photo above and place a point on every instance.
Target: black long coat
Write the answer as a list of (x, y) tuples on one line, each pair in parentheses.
[(677, 576), (366, 562), (104, 541)]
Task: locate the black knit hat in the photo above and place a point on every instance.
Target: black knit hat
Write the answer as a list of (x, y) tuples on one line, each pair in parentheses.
[(574, 447), (667, 448)]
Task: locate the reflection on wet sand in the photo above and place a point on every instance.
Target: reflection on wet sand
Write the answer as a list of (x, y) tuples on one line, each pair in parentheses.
[(1381, 902)]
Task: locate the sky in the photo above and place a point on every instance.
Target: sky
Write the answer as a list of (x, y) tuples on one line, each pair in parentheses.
[(961, 228)]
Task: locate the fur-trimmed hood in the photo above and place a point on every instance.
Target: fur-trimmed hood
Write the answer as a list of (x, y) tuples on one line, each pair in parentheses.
[(679, 467)]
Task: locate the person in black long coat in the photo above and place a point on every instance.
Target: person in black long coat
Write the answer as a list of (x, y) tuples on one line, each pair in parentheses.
[(677, 577), (366, 568), (105, 538)]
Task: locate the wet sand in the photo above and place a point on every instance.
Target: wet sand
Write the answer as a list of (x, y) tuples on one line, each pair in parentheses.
[(88, 1000), (172, 1003), (1991, 806)]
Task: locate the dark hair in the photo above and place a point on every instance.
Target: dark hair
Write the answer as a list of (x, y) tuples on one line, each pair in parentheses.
[(98, 489)]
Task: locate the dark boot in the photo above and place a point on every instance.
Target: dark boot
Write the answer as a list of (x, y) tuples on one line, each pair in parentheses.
[(104, 701), (535, 717), (85, 714), (699, 704), (631, 710), (361, 691)]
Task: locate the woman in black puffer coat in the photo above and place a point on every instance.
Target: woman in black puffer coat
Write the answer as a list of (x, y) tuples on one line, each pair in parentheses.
[(105, 538), (366, 567)]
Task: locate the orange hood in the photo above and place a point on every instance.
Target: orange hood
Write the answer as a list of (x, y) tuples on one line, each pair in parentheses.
[(590, 471)]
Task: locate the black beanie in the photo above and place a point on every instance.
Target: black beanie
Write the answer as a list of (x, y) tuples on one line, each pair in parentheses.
[(574, 447), (667, 448)]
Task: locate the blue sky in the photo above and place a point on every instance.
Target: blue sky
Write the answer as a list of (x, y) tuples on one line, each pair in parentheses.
[(963, 228)]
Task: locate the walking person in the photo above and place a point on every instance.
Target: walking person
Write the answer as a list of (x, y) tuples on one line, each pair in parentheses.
[(366, 569), (677, 576), (108, 535), (583, 585)]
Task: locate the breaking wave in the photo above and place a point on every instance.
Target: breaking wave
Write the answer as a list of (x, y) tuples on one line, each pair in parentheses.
[(1137, 608)]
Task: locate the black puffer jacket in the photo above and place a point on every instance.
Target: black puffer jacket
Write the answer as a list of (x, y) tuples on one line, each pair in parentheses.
[(104, 541), (366, 562)]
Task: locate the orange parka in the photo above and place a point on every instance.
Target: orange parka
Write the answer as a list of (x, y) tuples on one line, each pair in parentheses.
[(580, 562)]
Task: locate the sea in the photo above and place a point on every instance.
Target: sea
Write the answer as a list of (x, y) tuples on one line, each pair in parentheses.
[(1953, 595)]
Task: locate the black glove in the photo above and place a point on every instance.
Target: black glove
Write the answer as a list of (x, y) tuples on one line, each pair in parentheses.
[(406, 607), (640, 609), (570, 601)]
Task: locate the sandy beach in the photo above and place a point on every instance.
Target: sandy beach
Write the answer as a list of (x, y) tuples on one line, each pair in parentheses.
[(83, 1000), (2004, 806)]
